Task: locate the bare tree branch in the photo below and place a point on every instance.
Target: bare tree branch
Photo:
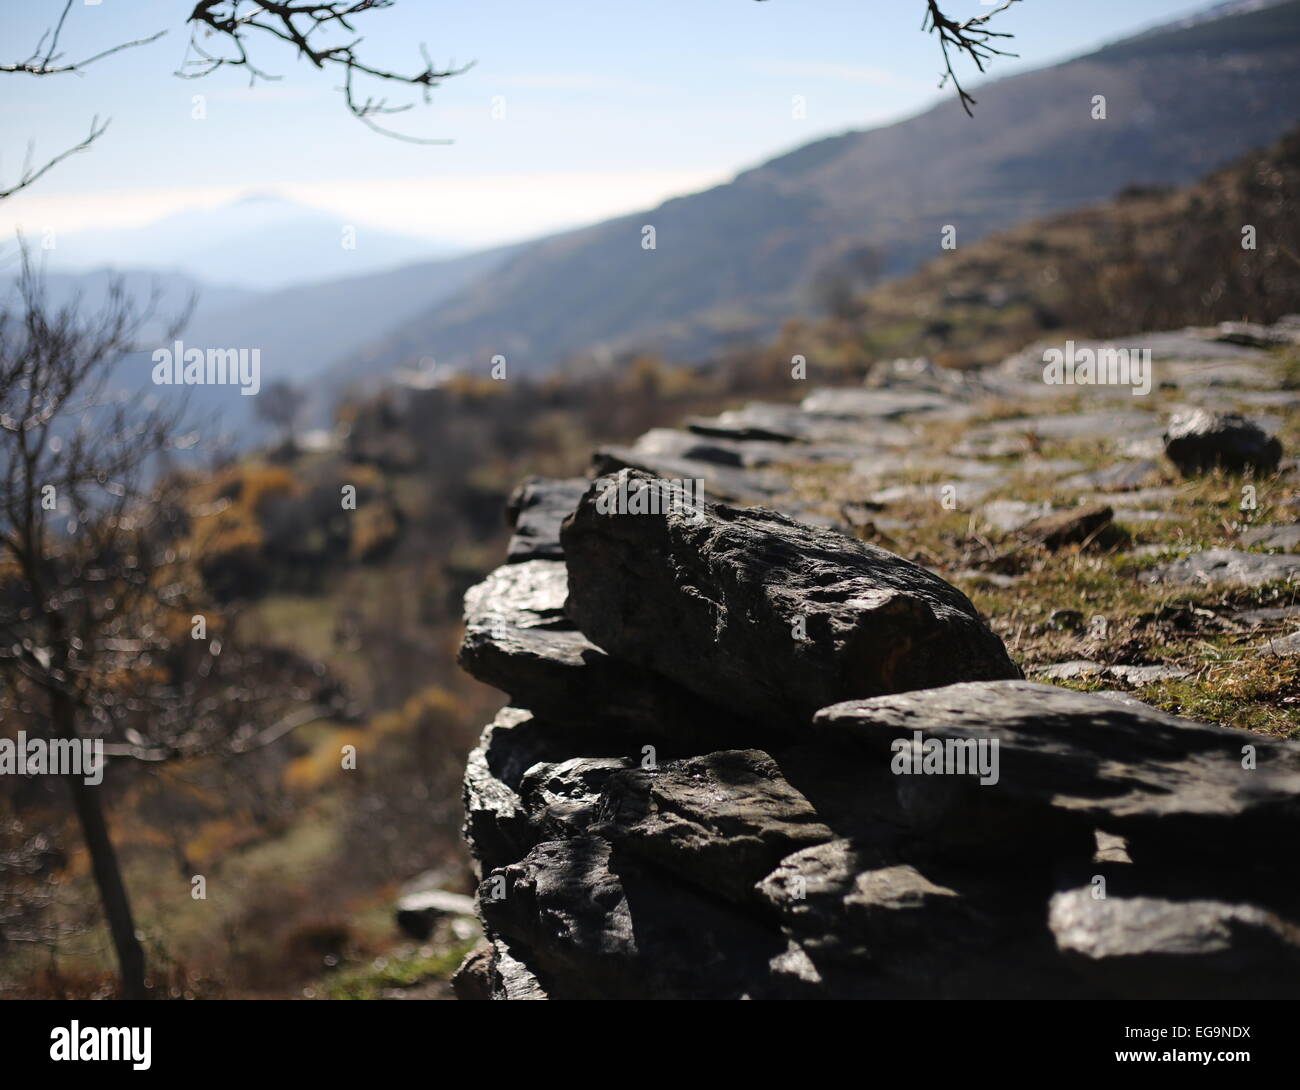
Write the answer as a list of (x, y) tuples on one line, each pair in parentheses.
[(30, 174), (295, 23), (43, 61), (971, 36)]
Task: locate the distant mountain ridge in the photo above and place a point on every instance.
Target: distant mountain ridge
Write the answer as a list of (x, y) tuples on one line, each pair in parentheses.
[(259, 242), (732, 262)]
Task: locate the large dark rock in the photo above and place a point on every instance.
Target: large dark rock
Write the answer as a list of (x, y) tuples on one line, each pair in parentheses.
[(1198, 441), (694, 793), (754, 611), (1170, 786), (519, 639)]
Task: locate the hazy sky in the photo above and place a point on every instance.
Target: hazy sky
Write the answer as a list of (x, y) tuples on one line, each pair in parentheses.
[(610, 105)]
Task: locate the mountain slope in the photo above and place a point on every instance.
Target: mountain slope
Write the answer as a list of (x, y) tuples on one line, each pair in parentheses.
[(1152, 258), (731, 262)]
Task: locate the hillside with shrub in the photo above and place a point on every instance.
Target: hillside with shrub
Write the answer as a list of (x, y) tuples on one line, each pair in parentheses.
[(1151, 258)]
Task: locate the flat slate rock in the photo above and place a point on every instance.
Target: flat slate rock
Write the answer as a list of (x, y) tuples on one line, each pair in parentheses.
[(1007, 516), (535, 510), (1133, 675), (761, 420), (884, 404), (1284, 536), (1087, 425), (885, 465), (731, 484), (762, 614), (955, 495), (1152, 947), (1136, 772), (1286, 646), (1267, 615), (1225, 567), (1116, 477)]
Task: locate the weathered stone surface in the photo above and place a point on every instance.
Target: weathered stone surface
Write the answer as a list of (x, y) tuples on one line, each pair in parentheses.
[(720, 821), (511, 978), (1007, 516), (949, 493), (876, 927), (1225, 567), (1134, 675), (1198, 441), (746, 453), (791, 424), (671, 443), (884, 404), (886, 466), (1267, 616), (1151, 947), (1116, 477), (564, 798), (1021, 434), (519, 639), (535, 510), (1158, 780), (1286, 646), (1254, 335), (724, 483), (496, 826), (1285, 536), (757, 612), (601, 926)]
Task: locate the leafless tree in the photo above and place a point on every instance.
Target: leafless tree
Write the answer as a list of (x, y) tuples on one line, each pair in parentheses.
[(94, 583), (72, 535), (280, 404)]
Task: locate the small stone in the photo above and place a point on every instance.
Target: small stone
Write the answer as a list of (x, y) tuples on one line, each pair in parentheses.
[(1074, 526), (1198, 441)]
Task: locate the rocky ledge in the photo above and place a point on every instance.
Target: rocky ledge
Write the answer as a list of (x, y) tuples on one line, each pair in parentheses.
[(749, 757)]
